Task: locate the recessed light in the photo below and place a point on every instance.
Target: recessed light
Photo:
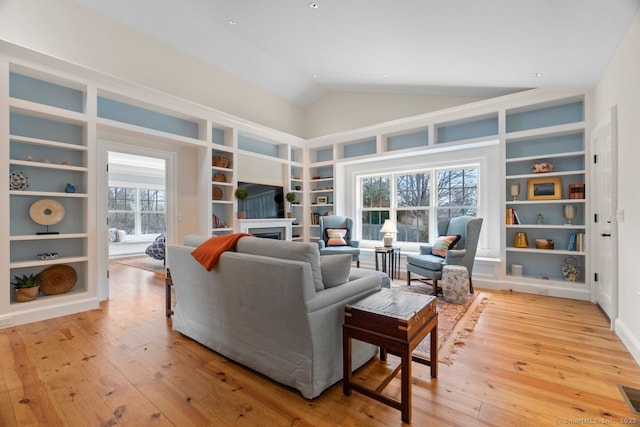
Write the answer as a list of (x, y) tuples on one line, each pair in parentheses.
[(313, 5), (315, 76), (537, 75), (231, 22), (386, 76)]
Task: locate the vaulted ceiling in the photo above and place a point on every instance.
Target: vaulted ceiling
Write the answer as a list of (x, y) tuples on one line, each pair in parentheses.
[(299, 49)]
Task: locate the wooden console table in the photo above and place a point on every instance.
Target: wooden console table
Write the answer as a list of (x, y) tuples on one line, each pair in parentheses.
[(397, 322)]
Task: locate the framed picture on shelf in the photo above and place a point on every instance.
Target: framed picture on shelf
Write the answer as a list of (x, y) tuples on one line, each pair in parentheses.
[(544, 188), (321, 200)]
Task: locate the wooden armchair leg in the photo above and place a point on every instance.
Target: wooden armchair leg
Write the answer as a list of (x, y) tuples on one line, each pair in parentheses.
[(470, 285)]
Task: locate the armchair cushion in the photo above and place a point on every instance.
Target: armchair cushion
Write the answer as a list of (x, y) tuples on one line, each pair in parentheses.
[(430, 262), (336, 236), (335, 269), (443, 244)]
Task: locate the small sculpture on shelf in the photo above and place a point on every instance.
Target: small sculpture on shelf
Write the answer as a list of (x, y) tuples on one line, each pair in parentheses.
[(70, 188), (515, 191), (569, 213)]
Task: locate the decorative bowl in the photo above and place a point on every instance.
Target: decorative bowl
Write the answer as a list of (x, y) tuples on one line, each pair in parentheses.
[(544, 243), (48, 255), (543, 167)]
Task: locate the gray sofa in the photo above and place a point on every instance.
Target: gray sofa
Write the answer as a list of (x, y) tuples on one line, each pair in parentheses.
[(273, 306)]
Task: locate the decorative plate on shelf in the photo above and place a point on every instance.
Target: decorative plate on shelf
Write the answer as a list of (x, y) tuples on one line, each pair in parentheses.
[(57, 279), (216, 193), (18, 180)]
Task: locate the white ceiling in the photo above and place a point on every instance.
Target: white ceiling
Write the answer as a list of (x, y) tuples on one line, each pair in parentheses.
[(436, 47)]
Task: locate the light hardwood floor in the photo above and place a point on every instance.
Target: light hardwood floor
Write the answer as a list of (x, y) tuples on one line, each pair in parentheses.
[(531, 361)]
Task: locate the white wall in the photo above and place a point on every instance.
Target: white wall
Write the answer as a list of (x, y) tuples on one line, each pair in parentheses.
[(620, 86), (67, 30), (338, 112)]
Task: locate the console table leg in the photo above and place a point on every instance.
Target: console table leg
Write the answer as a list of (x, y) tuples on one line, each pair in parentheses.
[(405, 392), (346, 364)]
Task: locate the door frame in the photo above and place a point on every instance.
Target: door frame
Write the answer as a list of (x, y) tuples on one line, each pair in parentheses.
[(139, 149)]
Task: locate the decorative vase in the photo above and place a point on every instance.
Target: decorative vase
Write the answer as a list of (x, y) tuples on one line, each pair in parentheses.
[(520, 240), (26, 294), (70, 188)]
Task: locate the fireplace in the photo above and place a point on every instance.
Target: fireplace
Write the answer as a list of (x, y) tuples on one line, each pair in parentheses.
[(267, 227), (267, 234)]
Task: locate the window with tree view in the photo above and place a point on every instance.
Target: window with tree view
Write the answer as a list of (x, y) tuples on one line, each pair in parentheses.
[(416, 200), (137, 211)]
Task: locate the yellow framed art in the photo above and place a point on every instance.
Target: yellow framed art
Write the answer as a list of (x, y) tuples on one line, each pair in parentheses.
[(544, 188)]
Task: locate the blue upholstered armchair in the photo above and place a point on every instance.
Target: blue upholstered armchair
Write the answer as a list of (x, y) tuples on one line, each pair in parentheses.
[(430, 266), (337, 240)]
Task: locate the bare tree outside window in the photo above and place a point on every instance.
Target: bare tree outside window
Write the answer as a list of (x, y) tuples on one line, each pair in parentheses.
[(457, 192), (412, 195), (412, 215), (137, 210), (376, 203)]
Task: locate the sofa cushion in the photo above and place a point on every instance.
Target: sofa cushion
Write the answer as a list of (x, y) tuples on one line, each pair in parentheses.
[(296, 251), (335, 269), (336, 236), (443, 244)]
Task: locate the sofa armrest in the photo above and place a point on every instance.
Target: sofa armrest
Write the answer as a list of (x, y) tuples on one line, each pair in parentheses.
[(344, 292), (354, 243), (321, 244), (426, 249)]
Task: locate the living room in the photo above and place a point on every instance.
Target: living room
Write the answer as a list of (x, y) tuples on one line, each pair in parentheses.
[(52, 49)]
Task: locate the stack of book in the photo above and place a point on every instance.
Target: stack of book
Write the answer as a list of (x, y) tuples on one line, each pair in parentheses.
[(576, 242), (512, 217)]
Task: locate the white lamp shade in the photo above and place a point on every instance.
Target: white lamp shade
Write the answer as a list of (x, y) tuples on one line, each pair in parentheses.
[(388, 227)]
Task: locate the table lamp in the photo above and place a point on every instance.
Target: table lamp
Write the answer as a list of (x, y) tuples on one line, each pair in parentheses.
[(388, 228)]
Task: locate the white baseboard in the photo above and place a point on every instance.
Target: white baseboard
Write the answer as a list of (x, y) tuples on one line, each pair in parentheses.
[(628, 339)]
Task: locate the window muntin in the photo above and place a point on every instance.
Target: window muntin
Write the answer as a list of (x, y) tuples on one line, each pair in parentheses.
[(417, 200)]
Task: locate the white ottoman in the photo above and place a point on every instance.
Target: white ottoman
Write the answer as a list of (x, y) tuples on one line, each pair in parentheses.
[(455, 284)]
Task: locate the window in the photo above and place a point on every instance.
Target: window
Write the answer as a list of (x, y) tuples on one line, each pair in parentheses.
[(376, 205), (417, 200), (136, 210)]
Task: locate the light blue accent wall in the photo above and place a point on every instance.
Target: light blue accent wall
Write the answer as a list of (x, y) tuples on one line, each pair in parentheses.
[(21, 223), (468, 130), (256, 146), (360, 148), (418, 139), (324, 172), (126, 113), (35, 90), (324, 155), (543, 117), (36, 127), (542, 146), (20, 151), (218, 136)]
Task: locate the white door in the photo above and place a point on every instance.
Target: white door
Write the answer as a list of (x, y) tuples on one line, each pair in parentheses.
[(604, 239)]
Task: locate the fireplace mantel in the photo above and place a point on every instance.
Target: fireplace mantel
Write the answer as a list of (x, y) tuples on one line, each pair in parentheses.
[(245, 225)]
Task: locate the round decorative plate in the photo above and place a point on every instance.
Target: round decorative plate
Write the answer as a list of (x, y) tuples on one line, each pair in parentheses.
[(217, 193), (57, 279), (18, 180), (46, 212)]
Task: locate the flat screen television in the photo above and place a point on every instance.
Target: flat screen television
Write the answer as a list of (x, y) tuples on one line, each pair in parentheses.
[(264, 201)]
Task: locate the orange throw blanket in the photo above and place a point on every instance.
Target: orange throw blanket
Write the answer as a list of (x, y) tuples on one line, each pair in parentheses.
[(209, 252)]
